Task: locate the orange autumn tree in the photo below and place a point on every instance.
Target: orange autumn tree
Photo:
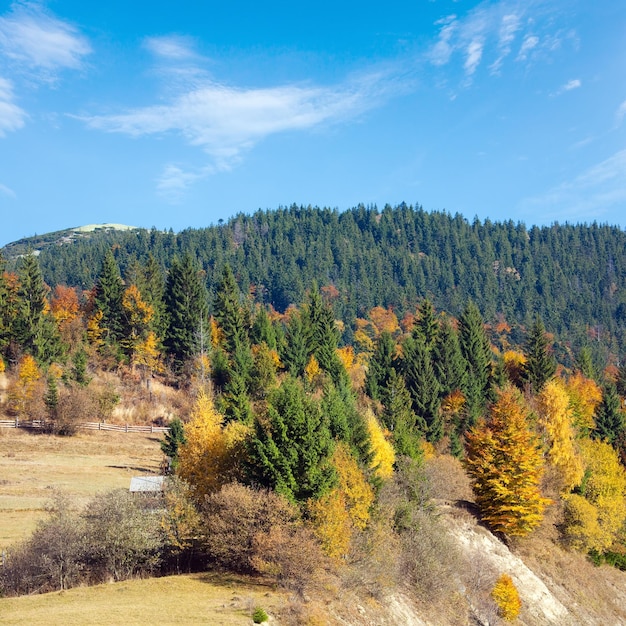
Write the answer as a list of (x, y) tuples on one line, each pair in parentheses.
[(505, 465)]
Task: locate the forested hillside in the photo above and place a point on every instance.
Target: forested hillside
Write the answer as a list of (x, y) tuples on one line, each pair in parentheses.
[(572, 276), (316, 439)]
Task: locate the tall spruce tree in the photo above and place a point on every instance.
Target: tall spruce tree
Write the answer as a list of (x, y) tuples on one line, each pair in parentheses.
[(398, 416), (318, 318), (380, 366), (540, 365), (476, 352), (450, 368), (609, 419), (34, 327), (426, 326), (421, 382), (186, 306), (108, 300), (290, 451)]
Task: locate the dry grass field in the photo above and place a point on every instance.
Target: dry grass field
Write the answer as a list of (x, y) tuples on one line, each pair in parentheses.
[(190, 599), (33, 466)]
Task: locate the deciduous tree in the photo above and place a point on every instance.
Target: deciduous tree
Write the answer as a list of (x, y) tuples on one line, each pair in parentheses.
[(504, 462)]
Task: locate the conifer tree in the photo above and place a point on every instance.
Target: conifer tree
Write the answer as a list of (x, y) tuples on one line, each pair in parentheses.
[(406, 427), (426, 326), (108, 295), (380, 366), (318, 318), (173, 440), (186, 305), (505, 465), (620, 383), (290, 451), (35, 328), (609, 417), (540, 365), (295, 353), (448, 360), (421, 382), (476, 352)]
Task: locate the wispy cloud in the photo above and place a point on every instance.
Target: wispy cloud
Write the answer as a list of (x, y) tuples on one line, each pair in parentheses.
[(35, 40), (575, 83), (592, 193), (489, 32), (174, 181), (226, 121), (7, 191), (11, 116), (171, 47)]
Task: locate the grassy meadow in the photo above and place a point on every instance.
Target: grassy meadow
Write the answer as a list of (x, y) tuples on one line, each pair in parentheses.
[(189, 599), (33, 466)]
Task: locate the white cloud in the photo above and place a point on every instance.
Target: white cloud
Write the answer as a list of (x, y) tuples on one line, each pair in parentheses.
[(530, 43), (572, 84), (34, 39), (174, 181), (7, 191), (171, 47), (488, 33), (11, 116), (588, 196), (474, 54), (226, 121)]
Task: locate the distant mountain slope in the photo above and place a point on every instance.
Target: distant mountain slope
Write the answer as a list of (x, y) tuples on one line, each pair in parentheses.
[(573, 276), (37, 243)]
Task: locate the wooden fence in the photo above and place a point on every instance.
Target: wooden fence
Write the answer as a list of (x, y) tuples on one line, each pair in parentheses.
[(120, 428)]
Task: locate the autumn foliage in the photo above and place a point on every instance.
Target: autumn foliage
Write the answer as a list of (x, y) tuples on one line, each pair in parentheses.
[(506, 598), (505, 466)]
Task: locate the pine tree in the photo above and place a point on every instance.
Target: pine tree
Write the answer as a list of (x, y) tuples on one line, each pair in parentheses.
[(406, 427), (290, 451), (504, 462), (318, 318), (540, 365), (186, 305), (295, 353), (476, 352), (609, 417), (108, 295), (173, 440), (34, 326), (448, 360), (421, 382), (380, 366), (426, 326)]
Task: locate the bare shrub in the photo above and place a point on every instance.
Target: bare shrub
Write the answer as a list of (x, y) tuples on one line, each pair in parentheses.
[(52, 559), (76, 405), (291, 555), (124, 537), (446, 479), (233, 519)]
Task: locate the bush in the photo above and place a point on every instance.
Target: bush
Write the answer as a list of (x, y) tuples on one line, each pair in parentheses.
[(124, 536), (259, 616), (233, 517)]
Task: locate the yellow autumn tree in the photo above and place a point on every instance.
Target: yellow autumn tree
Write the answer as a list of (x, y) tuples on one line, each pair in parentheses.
[(594, 515), (505, 466), (23, 390), (345, 508), (585, 395), (555, 418), (383, 455), (507, 598), (210, 457)]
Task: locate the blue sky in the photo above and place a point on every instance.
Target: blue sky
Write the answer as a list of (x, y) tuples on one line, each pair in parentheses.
[(178, 114)]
